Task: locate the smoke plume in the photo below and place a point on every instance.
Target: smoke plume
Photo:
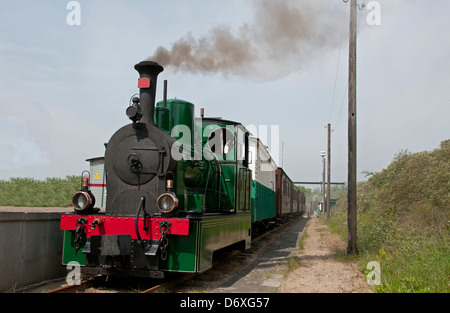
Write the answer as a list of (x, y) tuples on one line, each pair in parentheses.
[(283, 37)]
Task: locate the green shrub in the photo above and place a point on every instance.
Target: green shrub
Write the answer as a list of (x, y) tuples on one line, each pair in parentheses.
[(51, 192), (403, 221)]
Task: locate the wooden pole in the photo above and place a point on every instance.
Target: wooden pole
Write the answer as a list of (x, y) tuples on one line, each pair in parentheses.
[(323, 187), (328, 171), (351, 218)]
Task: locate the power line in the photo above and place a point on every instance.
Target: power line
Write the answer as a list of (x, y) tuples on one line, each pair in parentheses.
[(338, 62), (363, 5), (342, 105)]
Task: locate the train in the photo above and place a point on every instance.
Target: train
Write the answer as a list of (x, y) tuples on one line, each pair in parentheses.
[(178, 188)]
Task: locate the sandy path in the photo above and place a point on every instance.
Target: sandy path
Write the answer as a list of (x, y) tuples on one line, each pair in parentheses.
[(320, 270)]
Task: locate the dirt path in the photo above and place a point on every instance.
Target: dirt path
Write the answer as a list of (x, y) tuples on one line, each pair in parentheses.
[(320, 270)]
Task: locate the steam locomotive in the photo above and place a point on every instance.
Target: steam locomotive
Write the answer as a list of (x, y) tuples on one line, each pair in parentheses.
[(178, 189)]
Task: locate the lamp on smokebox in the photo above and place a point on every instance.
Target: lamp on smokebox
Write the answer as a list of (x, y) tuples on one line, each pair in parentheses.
[(134, 111)]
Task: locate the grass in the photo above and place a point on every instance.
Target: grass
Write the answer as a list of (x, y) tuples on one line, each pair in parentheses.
[(301, 246), (51, 192), (403, 222), (291, 265), (412, 263), (294, 262)]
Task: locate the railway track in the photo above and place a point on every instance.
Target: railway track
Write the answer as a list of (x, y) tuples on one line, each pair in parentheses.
[(97, 284), (84, 284)]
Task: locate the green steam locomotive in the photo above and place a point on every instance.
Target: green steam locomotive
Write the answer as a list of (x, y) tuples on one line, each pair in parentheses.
[(178, 189)]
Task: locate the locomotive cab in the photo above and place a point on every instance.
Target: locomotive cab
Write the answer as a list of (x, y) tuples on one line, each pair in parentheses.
[(228, 142)]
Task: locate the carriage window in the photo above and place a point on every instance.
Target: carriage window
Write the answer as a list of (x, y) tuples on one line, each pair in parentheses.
[(286, 187)]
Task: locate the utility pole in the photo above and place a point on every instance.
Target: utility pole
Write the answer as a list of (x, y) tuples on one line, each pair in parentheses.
[(322, 154), (328, 171), (351, 211)]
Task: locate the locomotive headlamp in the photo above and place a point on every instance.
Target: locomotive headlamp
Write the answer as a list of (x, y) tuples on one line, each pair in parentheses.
[(134, 111), (167, 202), (82, 200)]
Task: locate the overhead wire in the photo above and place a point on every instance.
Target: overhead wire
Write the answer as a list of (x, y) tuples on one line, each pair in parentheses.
[(346, 85), (338, 62)]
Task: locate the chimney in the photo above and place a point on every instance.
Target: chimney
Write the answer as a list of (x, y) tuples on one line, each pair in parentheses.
[(148, 72)]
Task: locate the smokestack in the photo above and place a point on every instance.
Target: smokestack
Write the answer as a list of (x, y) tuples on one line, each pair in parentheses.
[(148, 72)]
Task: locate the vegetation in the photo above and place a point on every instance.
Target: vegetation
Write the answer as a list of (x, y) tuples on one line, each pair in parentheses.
[(315, 195), (51, 192), (403, 221)]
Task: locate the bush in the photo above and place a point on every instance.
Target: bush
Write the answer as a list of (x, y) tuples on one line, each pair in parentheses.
[(30, 192), (403, 214)]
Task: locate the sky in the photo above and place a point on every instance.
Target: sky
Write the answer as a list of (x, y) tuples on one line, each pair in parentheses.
[(67, 76)]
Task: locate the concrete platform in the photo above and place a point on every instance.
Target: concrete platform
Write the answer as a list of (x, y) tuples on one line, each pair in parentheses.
[(17, 209), (30, 246), (266, 273)]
